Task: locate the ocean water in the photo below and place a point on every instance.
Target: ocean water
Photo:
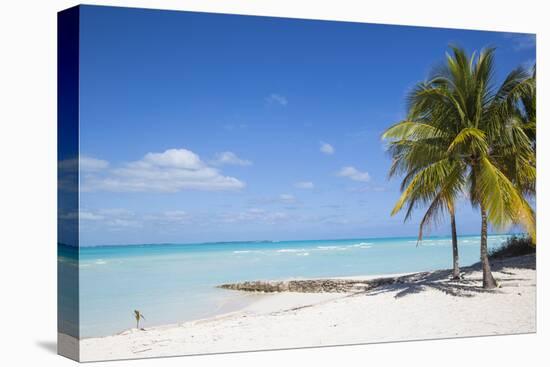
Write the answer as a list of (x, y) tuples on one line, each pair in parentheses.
[(175, 283)]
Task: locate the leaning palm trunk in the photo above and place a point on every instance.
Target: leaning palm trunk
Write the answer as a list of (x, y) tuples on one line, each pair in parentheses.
[(488, 280), (456, 268)]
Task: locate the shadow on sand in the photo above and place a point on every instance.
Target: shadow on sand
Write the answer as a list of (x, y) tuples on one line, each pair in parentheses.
[(467, 286)]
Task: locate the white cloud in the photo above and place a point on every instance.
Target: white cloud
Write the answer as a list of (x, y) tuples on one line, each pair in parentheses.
[(333, 219), (85, 215), (173, 158), (354, 174), (118, 223), (368, 188), (284, 199), (68, 216), (118, 212), (82, 215), (120, 219), (176, 214), (254, 215), (109, 219), (304, 185), (170, 171), (277, 99), (326, 148), (230, 158), (67, 165), (170, 217), (87, 164), (287, 198)]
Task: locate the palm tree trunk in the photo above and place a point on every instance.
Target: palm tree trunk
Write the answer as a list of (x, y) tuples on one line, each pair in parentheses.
[(488, 280), (456, 268)]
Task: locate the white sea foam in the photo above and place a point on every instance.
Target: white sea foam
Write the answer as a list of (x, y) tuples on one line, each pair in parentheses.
[(328, 248), (362, 245)]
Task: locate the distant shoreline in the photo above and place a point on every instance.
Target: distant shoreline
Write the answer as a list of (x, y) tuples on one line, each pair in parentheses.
[(283, 241)]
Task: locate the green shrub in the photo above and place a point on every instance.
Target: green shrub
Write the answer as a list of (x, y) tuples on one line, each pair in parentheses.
[(514, 246)]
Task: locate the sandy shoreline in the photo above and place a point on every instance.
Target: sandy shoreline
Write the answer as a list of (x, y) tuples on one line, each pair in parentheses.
[(424, 306)]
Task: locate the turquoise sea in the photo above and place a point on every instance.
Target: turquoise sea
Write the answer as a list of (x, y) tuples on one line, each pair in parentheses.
[(171, 283)]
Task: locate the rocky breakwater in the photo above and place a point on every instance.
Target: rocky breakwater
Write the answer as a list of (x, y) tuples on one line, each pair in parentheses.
[(311, 286)]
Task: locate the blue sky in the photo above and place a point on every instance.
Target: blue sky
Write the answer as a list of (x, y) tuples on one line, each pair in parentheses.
[(203, 127)]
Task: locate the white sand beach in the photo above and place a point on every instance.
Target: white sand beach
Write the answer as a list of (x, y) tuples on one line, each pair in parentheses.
[(422, 306)]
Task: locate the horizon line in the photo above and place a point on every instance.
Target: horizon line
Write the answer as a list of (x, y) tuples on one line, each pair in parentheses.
[(278, 241)]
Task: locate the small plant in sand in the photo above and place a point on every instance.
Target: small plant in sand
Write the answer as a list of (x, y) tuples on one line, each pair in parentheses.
[(138, 316)]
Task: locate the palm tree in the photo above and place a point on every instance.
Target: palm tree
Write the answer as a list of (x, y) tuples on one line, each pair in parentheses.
[(524, 101), (138, 316), (468, 137), (409, 158)]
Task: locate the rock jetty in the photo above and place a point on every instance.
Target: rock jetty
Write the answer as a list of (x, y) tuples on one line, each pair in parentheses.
[(312, 286)]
